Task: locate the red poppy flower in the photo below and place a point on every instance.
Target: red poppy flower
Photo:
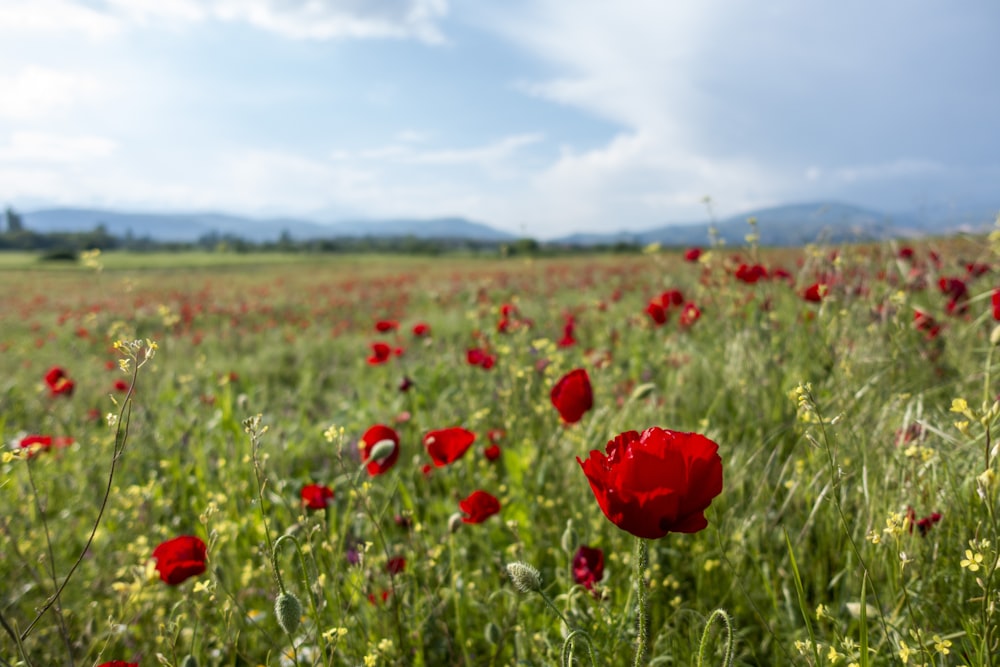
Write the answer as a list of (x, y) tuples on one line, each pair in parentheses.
[(657, 482), (492, 453), (692, 254), (316, 496), (180, 558), (421, 329), (121, 386), (956, 288), (448, 445), (480, 357), (690, 314), (374, 436), (382, 326), (395, 565), (567, 339), (926, 323), (479, 507), (995, 302), (906, 252), (118, 663), (588, 566), (380, 353), (572, 396), (750, 274), (815, 292), (672, 297), (656, 312), (58, 382), (43, 443)]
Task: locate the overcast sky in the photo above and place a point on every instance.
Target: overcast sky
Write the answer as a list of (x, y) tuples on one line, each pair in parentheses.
[(533, 116)]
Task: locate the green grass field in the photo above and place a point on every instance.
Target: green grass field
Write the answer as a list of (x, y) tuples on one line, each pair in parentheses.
[(856, 523)]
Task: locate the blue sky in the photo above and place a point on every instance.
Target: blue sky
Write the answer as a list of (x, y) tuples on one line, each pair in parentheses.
[(541, 117)]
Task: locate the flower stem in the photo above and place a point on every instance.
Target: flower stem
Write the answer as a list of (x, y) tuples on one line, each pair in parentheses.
[(641, 601)]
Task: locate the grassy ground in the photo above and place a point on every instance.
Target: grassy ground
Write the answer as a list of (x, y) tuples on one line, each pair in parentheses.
[(856, 523)]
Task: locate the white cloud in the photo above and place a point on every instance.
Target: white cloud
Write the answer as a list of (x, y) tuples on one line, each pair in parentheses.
[(295, 19), (316, 19), (486, 156), (37, 91), (887, 170), (44, 147), (55, 16)]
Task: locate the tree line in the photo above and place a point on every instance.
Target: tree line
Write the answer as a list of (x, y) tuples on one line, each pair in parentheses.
[(14, 235)]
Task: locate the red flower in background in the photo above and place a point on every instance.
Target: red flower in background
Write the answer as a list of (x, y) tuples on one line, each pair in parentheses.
[(58, 382), (374, 436), (815, 292), (395, 565), (383, 326), (118, 663), (572, 395), (567, 339), (479, 357), (316, 496), (750, 274), (421, 329), (656, 312), (926, 323), (995, 302), (121, 386), (492, 453), (448, 445), (380, 353), (957, 291), (180, 558), (906, 252), (692, 254), (588, 567), (479, 507), (672, 297), (43, 443), (690, 314), (656, 482)]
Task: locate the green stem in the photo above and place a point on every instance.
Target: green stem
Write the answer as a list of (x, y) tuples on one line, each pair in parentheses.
[(987, 402), (727, 656), (641, 601)]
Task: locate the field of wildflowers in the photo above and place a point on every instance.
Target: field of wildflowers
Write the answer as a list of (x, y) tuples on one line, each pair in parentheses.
[(712, 457)]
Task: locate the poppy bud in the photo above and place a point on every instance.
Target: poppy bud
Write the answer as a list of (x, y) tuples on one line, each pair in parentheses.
[(995, 335), (524, 577), (493, 634), (288, 610), (189, 661), (569, 538), (454, 522), (381, 450)]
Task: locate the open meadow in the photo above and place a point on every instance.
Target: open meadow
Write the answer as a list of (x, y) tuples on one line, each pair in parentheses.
[(376, 460)]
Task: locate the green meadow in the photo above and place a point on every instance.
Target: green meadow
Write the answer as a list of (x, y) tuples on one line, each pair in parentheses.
[(851, 391)]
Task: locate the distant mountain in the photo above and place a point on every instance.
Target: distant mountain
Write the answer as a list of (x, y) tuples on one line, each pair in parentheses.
[(798, 224), (187, 227)]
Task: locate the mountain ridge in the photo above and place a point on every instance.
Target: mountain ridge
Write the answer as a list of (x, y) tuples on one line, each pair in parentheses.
[(783, 225)]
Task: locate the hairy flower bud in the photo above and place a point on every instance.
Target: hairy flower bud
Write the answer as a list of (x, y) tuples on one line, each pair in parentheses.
[(493, 633), (524, 577), (288, 610), (382, 450), (569, 538), (189, 661)]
